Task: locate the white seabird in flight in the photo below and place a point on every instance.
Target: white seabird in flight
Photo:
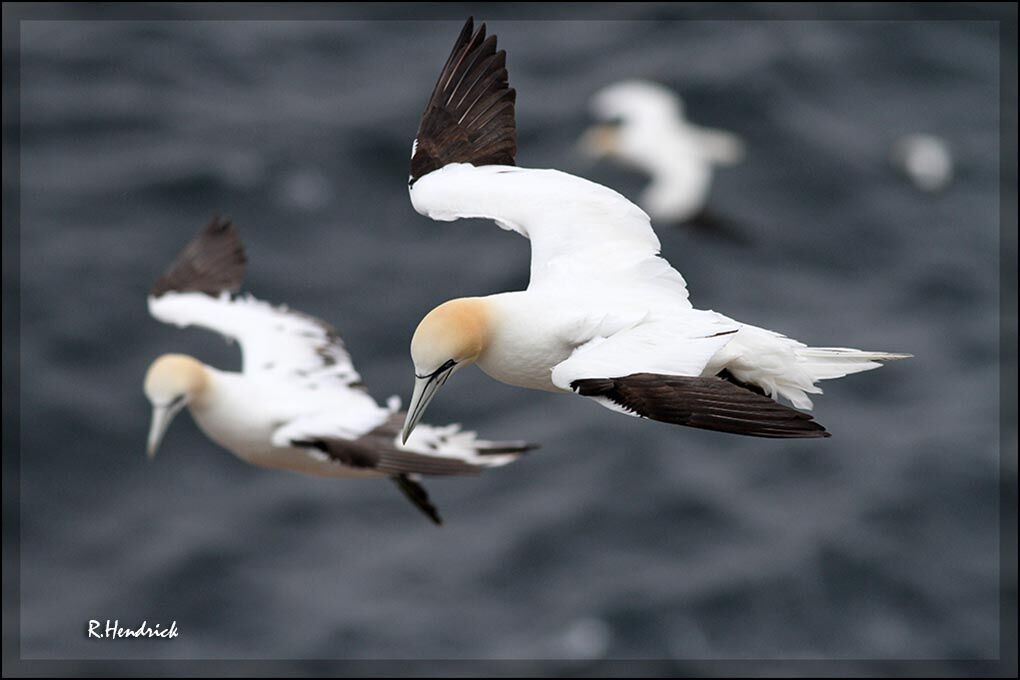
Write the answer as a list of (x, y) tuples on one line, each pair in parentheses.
[(925, 159), (604, 316), (643, 126), (298, 404)]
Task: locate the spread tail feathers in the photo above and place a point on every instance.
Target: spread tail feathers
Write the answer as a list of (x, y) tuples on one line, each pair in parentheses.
[(783, 367), (825, 363)]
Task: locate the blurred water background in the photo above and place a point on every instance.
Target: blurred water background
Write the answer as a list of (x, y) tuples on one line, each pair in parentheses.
[(619, 538)]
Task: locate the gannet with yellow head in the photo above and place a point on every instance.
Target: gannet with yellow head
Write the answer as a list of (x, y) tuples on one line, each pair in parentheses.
[(604, 316), (644, 127), (298, 404), (172, 382), (451, 336)]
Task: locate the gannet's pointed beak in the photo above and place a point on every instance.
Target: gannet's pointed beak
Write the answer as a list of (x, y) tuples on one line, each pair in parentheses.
[(425, 389), (161, 418), (597, 142)]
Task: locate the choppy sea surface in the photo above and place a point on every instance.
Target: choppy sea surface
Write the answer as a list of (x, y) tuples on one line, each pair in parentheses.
[(619, 538)]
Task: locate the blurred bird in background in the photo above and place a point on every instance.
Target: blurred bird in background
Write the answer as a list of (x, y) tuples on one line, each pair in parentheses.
[(298, 404), (643, 126), (925, 160)]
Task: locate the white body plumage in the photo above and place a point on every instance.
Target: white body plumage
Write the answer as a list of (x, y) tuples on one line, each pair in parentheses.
[(601, 301), (286, 391)]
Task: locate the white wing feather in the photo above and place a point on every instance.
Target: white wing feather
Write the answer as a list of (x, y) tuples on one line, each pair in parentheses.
[(683, 346), (580, 231), (274, 340), (350, 423), (719, 146), (449, 441)]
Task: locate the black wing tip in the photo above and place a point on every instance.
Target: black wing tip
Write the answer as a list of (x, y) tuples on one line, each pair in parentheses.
[(709, 403), (419, 497), (507, 448), (212, 263), (469, 117), (353, 455)]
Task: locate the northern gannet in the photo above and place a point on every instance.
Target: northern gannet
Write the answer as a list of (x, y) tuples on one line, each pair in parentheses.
[(644, 127), (298, 404), (604, 316)]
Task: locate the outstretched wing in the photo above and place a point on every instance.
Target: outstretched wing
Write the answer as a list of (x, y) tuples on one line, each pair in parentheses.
[(657, 370), (579, 230), (343, 439), (196, 291), (709, 403), (470, 116), (439, 451), (212, 263), (676, 346)]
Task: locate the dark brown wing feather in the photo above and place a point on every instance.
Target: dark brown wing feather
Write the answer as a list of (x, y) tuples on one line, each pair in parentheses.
[(392, 427), (212, 263), (707, 403), (418, 496), (470, 116), (376, 451)]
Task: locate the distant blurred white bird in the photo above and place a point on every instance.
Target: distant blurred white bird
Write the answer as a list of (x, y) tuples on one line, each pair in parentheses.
[(925, 160), (603, 316), (644, 127), (298, 404)]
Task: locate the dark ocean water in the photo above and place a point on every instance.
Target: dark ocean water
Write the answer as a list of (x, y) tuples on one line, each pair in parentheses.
[(619, 538)]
